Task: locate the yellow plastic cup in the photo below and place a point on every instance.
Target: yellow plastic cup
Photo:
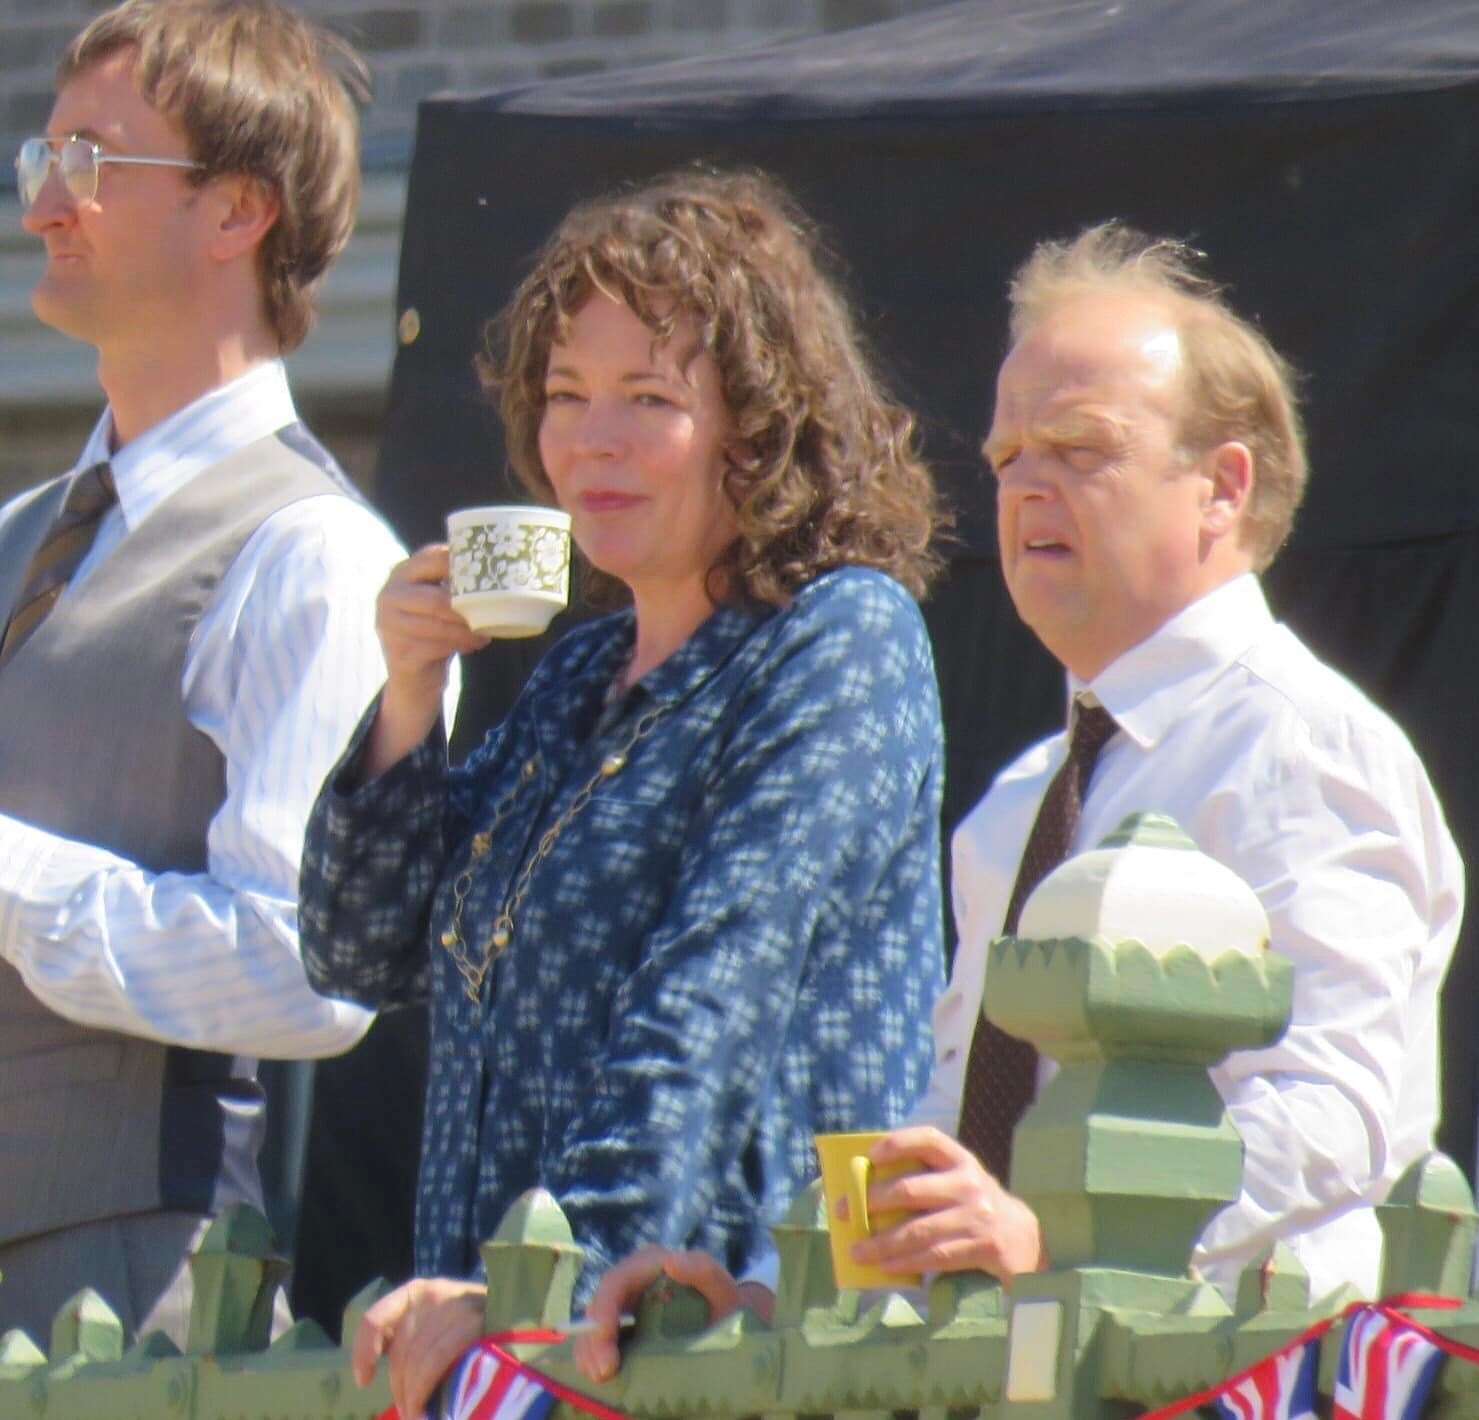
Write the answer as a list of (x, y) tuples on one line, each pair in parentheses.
[(847, 1172)]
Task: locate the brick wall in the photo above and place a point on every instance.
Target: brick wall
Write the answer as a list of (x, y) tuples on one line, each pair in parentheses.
[(416, 49)]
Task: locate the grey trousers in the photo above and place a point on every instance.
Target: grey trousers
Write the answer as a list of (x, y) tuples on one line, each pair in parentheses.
[(137, 1264)]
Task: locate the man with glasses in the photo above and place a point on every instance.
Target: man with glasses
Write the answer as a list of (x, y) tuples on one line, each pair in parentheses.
[(76, 161), (186, 642)]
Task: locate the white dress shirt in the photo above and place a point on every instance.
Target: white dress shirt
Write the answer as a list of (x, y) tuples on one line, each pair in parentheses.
[(1284, 771), (279, 670)]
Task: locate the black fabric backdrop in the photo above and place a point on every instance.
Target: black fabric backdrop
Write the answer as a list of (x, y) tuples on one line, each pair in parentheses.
[(1323, 155)]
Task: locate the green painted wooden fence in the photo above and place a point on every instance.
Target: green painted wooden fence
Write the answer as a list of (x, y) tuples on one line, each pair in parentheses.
[(1125, 1156)]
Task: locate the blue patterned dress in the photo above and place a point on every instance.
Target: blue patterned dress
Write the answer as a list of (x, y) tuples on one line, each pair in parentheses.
[(734, 943)]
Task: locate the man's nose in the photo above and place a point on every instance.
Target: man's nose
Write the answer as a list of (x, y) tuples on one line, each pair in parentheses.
[(1024, 477), (53, 204)]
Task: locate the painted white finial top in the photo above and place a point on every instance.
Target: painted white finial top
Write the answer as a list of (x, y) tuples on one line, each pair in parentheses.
[(1149, 882)]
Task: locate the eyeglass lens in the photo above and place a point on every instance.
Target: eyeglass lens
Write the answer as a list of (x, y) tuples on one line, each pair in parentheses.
[(75, 158)]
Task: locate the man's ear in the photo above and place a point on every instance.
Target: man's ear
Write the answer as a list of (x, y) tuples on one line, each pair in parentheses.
[(244, 209), (1230, 474)]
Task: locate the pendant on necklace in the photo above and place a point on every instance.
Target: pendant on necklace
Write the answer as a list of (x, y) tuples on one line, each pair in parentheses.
[(500, 937), (613, 764), (449, 938)]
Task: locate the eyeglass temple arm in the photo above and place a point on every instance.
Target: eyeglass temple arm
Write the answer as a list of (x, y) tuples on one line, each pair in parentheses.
[(148, 162)]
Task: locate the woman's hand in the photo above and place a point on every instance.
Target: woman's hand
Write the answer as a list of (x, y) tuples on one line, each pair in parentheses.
[(422, 1328), (620, 1290), (419, 634)]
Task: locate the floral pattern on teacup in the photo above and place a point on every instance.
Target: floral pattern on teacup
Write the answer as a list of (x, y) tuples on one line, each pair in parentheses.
[(525, 557)]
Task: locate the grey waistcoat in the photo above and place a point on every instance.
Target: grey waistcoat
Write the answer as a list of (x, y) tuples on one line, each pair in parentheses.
[(95, 746)]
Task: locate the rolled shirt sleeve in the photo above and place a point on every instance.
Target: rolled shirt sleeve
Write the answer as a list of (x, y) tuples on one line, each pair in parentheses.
[(1343, 841), (281, 666)]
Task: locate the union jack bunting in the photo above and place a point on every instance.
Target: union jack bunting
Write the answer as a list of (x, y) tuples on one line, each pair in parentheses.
[(1388, 1363), (1281, 1388), (482, 1387), (490, 1384), (1387, 1367)]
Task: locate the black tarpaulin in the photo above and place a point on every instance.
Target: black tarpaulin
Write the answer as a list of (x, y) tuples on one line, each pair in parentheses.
[(1323, 155), (1002, 56)]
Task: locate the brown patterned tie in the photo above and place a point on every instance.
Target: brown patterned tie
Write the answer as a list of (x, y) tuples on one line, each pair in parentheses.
[(61, 552), (1001, 1070)]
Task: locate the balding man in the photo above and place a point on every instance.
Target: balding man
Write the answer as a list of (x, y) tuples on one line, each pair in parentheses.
[(1149, 460)]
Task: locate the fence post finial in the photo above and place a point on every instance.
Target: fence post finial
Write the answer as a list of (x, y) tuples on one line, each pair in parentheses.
[(236, 1273), (532, 1263)]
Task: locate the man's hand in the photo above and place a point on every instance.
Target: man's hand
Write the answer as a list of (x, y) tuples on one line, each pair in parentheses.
[(419, 634), (621, 1289), (422, 1328), (967, 1221)]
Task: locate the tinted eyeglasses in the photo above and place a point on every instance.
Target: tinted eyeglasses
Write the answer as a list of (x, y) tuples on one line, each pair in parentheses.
[(78, 161)]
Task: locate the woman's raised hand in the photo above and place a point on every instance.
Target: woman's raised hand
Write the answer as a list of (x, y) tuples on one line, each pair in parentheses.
[(419, 634)]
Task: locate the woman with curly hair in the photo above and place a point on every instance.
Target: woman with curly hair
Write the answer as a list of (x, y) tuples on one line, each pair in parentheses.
[(681, 909)]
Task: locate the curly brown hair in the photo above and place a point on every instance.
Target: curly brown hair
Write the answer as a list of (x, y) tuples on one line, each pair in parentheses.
[(822, 471)]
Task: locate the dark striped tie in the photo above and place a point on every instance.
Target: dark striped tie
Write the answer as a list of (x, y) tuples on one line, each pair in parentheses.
[(1001, 1071), (61, 552)]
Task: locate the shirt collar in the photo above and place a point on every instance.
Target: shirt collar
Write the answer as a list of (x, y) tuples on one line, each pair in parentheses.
[(158, 463), (1149, 687), (701, 655)]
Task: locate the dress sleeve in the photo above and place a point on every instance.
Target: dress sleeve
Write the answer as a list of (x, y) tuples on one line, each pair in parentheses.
[(800, 950), (371, 861)]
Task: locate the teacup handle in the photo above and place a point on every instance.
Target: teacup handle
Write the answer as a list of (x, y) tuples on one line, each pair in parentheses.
[(859, 1167)]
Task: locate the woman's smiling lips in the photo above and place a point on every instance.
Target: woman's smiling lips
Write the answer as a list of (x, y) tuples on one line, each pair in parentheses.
[(601, 500)]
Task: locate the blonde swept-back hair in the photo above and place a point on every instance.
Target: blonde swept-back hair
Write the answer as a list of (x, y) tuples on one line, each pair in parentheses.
[(259, 91), (1236, 386), (821, 466)]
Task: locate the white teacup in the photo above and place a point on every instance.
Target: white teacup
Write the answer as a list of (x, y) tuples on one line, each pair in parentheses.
[(510, 567)]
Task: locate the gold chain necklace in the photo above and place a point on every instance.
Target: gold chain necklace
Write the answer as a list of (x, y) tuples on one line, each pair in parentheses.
[(474, 971)]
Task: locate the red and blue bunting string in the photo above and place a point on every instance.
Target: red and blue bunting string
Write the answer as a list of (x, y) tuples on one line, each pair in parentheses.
[(1388, 1364)]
